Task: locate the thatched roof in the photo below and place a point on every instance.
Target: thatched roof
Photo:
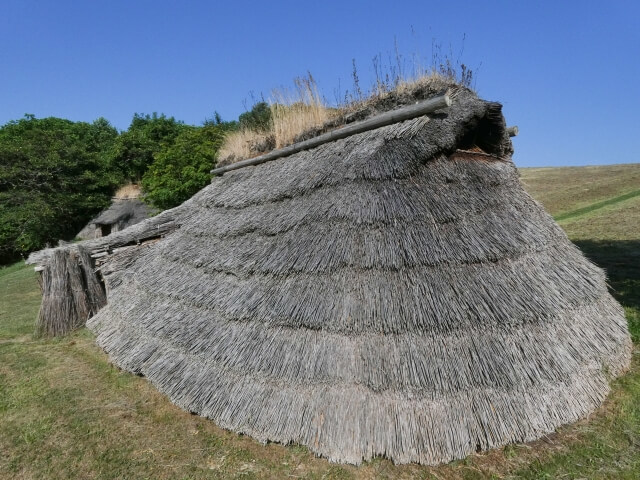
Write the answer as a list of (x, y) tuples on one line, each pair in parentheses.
[(392, 293), (121, 213), (131, 211)]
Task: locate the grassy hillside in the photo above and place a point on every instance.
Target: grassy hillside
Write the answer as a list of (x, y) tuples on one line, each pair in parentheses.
[(65, 412), (568, 189)]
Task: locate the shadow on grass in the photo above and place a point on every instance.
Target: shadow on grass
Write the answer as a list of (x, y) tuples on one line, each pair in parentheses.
[(621, 260)]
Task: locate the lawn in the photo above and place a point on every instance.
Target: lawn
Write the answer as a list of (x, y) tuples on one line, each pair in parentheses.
[(65, 412)]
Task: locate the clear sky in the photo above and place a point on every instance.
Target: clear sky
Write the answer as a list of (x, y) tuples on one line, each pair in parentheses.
[(567, 73)]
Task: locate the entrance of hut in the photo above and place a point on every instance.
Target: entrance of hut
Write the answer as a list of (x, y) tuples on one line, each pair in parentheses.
[(105, 230), (485, 135)]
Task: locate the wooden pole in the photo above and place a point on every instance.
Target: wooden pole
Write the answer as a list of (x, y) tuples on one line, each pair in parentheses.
[(512, 131), (387, 118)]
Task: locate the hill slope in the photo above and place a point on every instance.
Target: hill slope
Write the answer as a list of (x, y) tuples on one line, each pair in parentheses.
[(565, 190)]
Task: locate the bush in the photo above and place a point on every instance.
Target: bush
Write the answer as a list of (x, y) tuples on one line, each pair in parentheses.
[(54, 176), (134, 150), (182, 169), (257, 119)]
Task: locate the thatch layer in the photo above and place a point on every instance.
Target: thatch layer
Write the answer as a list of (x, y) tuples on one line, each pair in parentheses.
[(384, 294)]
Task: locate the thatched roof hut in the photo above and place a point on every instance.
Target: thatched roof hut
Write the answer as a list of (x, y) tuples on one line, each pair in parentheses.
[(124, 211), (394, 293)]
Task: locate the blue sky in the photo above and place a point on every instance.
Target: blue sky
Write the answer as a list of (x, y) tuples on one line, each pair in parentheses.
[(567, 73)]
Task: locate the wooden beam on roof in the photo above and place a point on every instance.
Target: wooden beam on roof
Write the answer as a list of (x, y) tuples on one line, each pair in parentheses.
[(386, 118)]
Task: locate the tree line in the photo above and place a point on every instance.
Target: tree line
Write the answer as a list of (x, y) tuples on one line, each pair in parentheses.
[(55, 174)]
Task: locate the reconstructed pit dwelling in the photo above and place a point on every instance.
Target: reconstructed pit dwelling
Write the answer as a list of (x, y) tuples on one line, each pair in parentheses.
[(121, 214), (394, 292)]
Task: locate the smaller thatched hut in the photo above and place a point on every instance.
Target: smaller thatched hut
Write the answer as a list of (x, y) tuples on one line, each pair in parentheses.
[(126, 209)]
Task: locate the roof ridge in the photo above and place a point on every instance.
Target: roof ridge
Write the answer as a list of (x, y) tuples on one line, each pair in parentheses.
[(384, 119)]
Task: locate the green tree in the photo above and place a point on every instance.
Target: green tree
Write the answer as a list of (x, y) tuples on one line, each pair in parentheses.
[(258, 118), (54, 176), (182, 169), (146, 136)]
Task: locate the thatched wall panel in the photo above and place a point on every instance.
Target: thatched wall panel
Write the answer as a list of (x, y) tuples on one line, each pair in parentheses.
[(96, 296), (385, 204), (418, 364), (324, 247), (432, 298)]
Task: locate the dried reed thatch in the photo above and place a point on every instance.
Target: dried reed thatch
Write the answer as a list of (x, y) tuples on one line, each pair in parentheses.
[(392, 293), (129, 191), (72, 289), (71, 292)]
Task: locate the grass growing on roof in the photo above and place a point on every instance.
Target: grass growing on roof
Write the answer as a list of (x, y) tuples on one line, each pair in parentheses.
[(297, 111), (128, 191), (303, 112)]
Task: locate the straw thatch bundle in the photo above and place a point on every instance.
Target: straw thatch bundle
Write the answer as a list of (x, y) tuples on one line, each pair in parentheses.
[(392, 293), (71, 292)]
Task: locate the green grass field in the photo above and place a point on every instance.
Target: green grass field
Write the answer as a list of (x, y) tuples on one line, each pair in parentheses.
[(65, 412)]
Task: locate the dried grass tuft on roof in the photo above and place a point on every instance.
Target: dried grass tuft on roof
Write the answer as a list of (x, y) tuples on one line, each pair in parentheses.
[(302, 113), (393, 293), (128, 192)]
